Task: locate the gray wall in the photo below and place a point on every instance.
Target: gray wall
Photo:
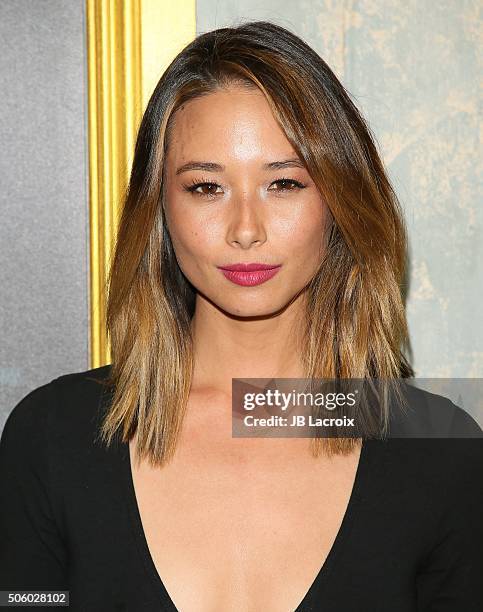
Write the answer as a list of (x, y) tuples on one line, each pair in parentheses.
[(43, 196), (413, 69)]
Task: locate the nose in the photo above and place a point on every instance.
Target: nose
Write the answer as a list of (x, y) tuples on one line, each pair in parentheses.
[(246, 225)]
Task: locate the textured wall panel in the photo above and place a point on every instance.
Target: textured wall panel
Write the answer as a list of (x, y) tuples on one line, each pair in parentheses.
[(413, 68), (43, 196)]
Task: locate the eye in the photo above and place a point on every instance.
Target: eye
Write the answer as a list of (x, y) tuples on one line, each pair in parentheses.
[(210, 188), (287, 184)]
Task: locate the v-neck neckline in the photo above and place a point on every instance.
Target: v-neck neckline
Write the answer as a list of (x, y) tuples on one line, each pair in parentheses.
[(324, 572)]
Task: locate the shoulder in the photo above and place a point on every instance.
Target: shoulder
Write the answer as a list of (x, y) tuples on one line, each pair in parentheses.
[(429, 415), (68, 403), (84, 383), (81, 391)]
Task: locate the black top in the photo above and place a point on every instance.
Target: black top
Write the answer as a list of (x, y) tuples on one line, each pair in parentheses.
[(411, 538)]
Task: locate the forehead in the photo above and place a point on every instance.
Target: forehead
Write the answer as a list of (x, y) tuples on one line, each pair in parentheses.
[(231, 123)]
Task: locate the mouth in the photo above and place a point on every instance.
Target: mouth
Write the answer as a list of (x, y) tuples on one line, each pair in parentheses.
[(249, 275)]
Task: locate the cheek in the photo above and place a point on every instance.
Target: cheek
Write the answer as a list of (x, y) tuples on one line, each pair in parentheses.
[(305, 233), (191, 239)]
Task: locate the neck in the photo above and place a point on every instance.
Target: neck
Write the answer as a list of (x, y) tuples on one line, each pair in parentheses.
[(227, 346)]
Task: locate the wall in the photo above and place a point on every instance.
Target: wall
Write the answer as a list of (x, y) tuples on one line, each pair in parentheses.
[(43, 197), (413, 68)]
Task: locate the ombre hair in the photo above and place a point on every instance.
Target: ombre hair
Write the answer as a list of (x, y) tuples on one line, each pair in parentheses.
[(355, 325)]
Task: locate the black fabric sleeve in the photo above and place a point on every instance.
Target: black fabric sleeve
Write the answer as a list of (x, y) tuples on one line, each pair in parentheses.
[(32, 552), (451, 577)]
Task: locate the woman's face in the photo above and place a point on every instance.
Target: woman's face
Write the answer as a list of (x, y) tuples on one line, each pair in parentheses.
[(230, 200)]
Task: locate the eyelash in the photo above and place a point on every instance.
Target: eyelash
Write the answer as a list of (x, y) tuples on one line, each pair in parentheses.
[(194, 184)]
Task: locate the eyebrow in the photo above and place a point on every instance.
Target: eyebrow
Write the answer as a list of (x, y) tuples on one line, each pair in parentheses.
[(213, 167)]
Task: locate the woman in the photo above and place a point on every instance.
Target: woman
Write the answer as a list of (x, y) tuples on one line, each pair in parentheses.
[(250, 152)]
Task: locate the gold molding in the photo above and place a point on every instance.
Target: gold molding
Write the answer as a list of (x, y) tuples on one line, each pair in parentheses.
[(129, 45)]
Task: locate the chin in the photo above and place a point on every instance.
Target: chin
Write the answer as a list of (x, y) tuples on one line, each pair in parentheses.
[(253, 308), (246, 304)]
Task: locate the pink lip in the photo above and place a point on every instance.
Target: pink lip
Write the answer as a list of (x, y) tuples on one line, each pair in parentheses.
[(249, 267), (249, 275)]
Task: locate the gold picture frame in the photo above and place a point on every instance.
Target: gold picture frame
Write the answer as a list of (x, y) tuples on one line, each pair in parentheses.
[(129, 45)]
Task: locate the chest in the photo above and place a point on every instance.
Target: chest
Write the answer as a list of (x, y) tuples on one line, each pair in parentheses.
[(243, 528)]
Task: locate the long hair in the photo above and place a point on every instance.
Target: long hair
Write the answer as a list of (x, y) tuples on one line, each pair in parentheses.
[(355, 320)]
